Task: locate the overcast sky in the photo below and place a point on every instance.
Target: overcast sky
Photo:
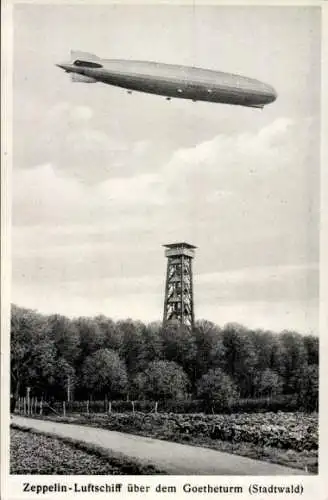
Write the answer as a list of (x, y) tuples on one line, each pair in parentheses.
[(102, 178)]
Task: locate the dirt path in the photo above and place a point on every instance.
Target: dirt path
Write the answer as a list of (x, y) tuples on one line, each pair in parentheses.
[(178, 459)]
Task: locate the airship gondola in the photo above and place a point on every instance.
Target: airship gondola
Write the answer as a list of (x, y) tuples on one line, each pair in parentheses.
[(170, 80)]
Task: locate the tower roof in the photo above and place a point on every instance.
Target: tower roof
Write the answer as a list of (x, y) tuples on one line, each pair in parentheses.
[(179, 245)]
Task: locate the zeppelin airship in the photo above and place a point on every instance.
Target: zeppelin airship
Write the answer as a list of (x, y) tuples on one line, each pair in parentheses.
[(170, 80)]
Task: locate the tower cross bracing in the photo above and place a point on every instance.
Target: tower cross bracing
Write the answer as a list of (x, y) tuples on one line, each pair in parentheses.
[(179, 301)]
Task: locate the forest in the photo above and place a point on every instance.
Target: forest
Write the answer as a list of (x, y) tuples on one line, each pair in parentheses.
[(98, 358)]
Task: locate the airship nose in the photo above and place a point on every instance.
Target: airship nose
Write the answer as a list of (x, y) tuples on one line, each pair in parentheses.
[(64, 66)]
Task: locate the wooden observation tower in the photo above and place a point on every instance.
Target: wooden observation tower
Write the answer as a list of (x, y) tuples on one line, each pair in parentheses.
[(179, 301)]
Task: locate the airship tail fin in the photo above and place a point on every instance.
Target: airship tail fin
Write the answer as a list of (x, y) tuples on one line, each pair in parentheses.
[(76, 77), (86, 56)]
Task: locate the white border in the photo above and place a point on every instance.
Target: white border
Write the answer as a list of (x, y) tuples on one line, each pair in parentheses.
[(315, 487)]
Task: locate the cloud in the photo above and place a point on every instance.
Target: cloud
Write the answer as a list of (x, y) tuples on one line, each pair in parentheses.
[(247, 200), (300, 316), (275, 130), (233, 150), (141, 190), (41, 196), (257, 182), (262, 283), (69, 137), (242, 171), (83, 113)]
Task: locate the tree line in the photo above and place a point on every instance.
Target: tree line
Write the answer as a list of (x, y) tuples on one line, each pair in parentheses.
[(97, 358)]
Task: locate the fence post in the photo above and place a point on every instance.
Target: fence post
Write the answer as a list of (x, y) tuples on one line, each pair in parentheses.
[(69, 395), (109, 407), (41, 406), (64, 409), (132, 406), (28, 389), (156, 406)]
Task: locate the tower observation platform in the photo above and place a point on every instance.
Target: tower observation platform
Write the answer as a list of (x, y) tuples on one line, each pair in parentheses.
[(179, 300)]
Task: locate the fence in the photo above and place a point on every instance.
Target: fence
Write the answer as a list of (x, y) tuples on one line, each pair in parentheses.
[(34, 406)]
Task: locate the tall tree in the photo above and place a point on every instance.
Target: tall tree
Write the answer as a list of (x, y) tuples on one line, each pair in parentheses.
[(210, 351), (104, 374), (33, 353), (311, 344), (216, 386), (163, 380), (91, 336), (240, 357), (179, 346), (263, 342), (110, 333), (307, 388), (66, 337), (152, 342), (132, 348), (268, 383), (64, 380), (295, 359)]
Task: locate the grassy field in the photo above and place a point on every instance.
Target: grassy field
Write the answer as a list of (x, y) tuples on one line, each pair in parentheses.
[(36, 453)]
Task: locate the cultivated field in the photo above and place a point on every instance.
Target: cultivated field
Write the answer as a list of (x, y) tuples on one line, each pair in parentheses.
[(289, 439), (34, 453)]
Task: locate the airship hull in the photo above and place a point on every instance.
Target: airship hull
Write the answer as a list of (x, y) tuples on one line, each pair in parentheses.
[(176, 81), (187, 90)]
